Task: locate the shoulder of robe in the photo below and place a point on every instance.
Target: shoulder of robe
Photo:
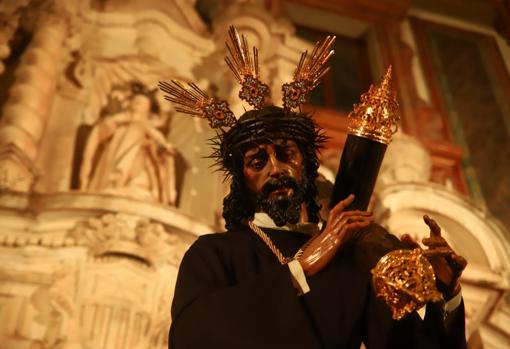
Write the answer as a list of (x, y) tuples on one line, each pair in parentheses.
[(372, 243), (222, 241)]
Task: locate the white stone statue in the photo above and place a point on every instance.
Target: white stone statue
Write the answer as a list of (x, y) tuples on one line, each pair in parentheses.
[(127, 155)]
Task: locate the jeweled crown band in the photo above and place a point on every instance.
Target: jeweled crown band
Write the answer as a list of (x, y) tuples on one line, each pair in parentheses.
[(266, 125)]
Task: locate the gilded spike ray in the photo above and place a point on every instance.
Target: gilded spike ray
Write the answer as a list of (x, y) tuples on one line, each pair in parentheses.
[(311, 68), (192, 100), (245, 69)]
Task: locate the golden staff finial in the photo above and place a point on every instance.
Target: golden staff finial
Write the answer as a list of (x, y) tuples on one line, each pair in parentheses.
[(376, 116)]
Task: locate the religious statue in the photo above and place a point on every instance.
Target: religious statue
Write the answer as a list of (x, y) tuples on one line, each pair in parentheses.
[(127, 155), (279, 277)]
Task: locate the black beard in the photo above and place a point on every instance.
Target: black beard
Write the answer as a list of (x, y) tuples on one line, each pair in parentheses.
[(285, 208)]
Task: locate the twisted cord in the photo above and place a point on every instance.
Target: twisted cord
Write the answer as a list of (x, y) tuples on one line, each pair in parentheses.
[(269, 243)]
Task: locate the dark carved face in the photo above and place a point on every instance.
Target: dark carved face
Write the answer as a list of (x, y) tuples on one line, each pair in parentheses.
[(273, 172)]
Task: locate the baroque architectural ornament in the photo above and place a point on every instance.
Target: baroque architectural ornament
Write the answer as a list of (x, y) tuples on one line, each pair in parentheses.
[(118, 235)]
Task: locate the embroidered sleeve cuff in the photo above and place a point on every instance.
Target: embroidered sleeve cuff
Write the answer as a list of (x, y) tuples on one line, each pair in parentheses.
[(298, 277)]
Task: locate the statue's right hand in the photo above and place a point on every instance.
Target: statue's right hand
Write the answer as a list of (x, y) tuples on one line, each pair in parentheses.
[(341, 224)]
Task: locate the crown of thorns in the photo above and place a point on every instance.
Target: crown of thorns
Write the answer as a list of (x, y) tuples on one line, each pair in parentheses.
[(265, 122)]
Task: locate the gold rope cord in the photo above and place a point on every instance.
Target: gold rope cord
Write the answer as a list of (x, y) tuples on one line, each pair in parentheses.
[(269, 243)]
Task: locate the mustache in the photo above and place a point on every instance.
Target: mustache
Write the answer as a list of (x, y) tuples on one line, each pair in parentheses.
[(278, 183)]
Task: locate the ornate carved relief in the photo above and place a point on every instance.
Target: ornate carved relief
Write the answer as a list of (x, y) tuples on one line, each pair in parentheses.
[(105, 283), (126, 281), (38, 303), (124, 236), (16, 169)]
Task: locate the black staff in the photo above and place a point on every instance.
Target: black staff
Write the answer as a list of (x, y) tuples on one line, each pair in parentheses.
[(372, 123)]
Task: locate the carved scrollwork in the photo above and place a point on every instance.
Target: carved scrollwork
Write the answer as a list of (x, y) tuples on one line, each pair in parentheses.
[(122, 236)]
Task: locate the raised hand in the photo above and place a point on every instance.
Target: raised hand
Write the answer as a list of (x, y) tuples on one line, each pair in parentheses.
[(338, 230), (448, 266)]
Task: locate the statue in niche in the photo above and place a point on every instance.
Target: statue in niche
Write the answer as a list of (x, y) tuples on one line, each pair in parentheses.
[(127, 155)]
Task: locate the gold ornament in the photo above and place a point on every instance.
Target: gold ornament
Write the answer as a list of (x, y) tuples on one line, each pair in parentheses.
[(376, 117), (245, 69), (405, 280), (310, 69), (192, 100), (269, 243)]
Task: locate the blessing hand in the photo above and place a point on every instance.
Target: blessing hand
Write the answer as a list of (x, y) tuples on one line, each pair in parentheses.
[(448, 266)]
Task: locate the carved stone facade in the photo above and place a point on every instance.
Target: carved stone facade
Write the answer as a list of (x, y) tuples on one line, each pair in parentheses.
[(83, 278), (92, 227), (103, 187)]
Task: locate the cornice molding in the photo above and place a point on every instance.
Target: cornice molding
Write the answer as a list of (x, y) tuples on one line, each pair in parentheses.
[(380, 10)]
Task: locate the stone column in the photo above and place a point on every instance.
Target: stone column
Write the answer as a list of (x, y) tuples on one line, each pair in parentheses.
[(30, 99)]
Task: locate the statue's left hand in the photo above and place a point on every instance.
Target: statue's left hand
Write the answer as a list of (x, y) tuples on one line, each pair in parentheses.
[(448, 265)]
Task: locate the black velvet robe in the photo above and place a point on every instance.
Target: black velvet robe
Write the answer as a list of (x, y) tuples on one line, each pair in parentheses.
[(232, 292)]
